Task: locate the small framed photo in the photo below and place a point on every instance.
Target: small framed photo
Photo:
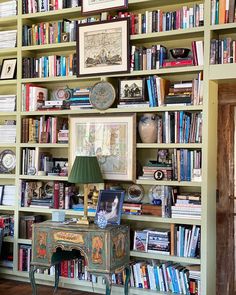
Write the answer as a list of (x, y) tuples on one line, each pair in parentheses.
[(132, 90), (103, 47), (8, 69), (1, 193), (110, 204), (97, 6)]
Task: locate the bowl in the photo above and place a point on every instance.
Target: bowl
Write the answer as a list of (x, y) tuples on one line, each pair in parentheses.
[(179, 52)]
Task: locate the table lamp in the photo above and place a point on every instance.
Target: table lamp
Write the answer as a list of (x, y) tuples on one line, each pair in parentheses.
[(85, 170)]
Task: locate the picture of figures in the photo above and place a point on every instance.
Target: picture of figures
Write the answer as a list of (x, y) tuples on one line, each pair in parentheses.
[(132, 89), (103, 47), (110, 205)]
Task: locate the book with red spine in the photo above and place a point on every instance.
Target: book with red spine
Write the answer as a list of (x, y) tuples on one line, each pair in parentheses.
[(177, 63)]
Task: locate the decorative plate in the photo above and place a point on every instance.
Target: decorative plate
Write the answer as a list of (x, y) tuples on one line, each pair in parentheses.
[(7, 161), (156, 194), (135, 193), (102, 95)]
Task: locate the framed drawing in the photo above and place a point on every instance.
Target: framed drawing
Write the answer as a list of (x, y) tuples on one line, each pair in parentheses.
[(97, 6), (103, 47), (111, 139), (132, 89), (110, 206), (8, 69)]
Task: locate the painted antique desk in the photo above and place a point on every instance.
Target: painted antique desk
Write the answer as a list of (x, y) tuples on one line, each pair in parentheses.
[(106, 250)]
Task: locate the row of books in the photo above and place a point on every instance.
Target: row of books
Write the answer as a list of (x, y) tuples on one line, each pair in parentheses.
[(158, 57), (159, 20), (33, 97), (40, 130), (184, 165), (7, 195), (222, 11), (8, 8), (53, 194), (47, 5), (179, 127), (7, 103), (8, 132), (24, 257), (35, 161), (48, 66), (49, 32), (223, 51), (7, 224), (25, 226), (187, 241), (165, 277), (8, 39)]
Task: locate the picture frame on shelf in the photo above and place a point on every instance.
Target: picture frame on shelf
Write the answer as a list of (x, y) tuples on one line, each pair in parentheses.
[(111, 54), (8, 69), (110, 206), (132, 89), (1, 193), (111, 139), (98, 6)]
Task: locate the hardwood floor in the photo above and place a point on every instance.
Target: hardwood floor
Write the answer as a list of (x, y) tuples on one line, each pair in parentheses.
[(8, 287)]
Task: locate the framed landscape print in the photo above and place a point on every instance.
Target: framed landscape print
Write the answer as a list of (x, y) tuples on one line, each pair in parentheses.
[(103, 47), (111, 139), (93, 6)]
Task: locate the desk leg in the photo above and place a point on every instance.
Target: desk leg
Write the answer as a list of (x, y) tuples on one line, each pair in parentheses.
[(56, 278), (108, 284), (33, 269), (127, 278)]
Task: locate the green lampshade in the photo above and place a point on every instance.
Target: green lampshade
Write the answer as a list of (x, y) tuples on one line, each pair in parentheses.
[(85, 170)]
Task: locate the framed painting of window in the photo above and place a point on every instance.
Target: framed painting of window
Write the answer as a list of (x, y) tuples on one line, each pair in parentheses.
[(103, 47), (111, 139)]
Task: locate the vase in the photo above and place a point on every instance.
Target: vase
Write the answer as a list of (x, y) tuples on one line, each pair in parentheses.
[(147, 128), (101, 221)]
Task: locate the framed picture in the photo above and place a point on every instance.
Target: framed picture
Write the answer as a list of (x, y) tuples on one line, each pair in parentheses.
[(1, 193), (132, 90), (103, 47), (94, 6), (110, 205), (111, 139), (8, 69)]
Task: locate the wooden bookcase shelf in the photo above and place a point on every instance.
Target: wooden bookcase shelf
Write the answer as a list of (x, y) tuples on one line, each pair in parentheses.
[(213, 74)]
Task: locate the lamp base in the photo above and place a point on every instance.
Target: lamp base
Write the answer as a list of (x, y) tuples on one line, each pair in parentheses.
[(83, 220)]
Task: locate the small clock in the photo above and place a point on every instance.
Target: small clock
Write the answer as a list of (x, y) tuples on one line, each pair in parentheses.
[(7, 161)]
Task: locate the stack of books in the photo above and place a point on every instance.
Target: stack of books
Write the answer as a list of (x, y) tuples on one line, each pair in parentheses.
[(8, 132), (131, 208), (179, 93), (8, 195), (8, 39), (42, 203), (188, 205), (8, 8), (79, 99), (8, 103)]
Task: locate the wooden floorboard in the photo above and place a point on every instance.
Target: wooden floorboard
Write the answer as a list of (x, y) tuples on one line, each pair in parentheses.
[(8, 287)]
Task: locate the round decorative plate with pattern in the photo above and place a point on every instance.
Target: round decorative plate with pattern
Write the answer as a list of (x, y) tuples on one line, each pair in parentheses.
[(102, 95), (135, 193), (7, 161)]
